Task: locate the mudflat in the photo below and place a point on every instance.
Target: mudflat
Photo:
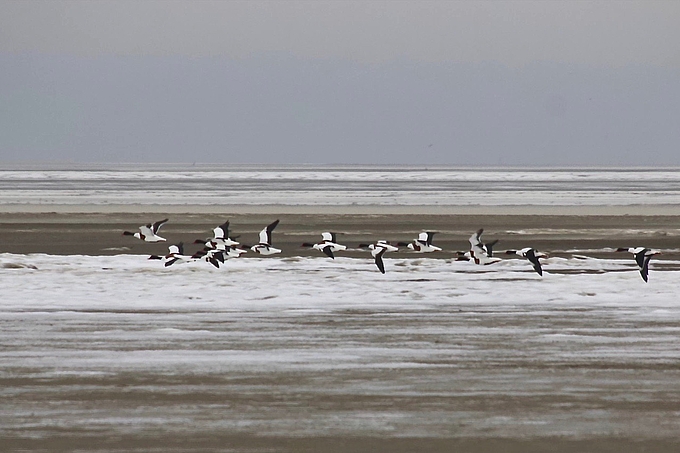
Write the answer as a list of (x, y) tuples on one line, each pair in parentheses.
[(100, 233)]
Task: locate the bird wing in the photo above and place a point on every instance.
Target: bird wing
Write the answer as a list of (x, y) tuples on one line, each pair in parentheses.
[(489, 247), (430, 236), (222, 231), (478, 255), (328, 237), (531, 256), (644, 270), (475, 238), (379, 260), (157, 225), (146, 231), (266, 233), (328, 250), (640, 258)]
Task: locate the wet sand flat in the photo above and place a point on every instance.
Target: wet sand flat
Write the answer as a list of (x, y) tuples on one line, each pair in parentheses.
[(516, 374), (100, 233)]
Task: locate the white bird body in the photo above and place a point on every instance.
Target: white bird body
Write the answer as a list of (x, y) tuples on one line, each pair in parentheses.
[(234, 252), (229, 251), (481, 253), (211, 255), (378, 250), (327, 245), (424, 243), (176, 255), (479, 256), (264, 247), (642, 256), (221, 235), (148, 232), (532, 255)]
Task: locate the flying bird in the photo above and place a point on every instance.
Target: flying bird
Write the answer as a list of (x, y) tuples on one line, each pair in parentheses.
[(149, 232), (378, 250), (220, 236), (532, 255), (265, 245), (482, 253), (328, 245), (175, 254), (642, 256), (423, 244)]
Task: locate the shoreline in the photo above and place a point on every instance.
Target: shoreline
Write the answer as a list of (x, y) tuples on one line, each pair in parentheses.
[(506, 210)]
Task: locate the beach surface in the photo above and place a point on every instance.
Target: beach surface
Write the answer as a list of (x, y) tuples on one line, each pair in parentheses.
[(91, 230), (103, 350)]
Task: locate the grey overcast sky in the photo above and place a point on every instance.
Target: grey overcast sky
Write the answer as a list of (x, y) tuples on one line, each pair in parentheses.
[(388, 82)]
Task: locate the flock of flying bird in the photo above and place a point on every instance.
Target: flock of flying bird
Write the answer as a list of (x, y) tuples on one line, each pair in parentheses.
[(221, 246)]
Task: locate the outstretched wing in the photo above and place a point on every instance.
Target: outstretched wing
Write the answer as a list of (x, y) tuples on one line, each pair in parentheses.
[(379, 260), (475, 239), (266, 233), (157, 225), (430, 235), (176, 249), (489, 247), (644, 270), (531, 256), (328, 250), (222, 231), (640, 258)]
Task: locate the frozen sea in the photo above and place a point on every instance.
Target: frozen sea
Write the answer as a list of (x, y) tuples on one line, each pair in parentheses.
[(147, 184), (122, 346)]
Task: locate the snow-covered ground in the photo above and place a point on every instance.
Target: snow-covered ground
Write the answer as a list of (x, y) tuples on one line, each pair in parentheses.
[(309, 346)]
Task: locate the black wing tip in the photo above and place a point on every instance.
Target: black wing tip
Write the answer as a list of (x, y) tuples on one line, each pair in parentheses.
[(381, 266)]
